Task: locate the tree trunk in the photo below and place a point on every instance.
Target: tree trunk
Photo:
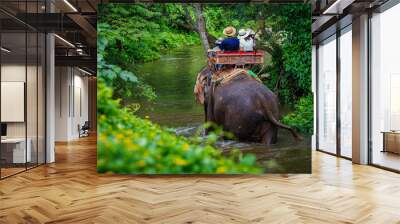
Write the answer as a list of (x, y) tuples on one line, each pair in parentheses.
[(201, 26), (261, 23)]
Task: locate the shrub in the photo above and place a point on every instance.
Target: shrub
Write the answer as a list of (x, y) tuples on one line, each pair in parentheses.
[(302, 116), (140, 32)]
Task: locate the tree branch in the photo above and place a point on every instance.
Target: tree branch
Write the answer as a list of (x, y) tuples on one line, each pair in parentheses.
[(201, 26)]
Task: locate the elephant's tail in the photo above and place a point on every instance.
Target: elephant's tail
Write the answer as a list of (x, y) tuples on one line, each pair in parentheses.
[(274, 121)]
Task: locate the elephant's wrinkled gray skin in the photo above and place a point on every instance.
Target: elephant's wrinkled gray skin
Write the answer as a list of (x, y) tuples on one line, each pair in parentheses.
[(242, 106)]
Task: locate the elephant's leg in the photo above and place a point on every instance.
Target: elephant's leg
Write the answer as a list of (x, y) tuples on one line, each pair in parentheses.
[(274, 139), (209, 109), (267, 133), (205, 111)]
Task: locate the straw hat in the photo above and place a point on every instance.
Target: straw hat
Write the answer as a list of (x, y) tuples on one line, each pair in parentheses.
[(230, 31)]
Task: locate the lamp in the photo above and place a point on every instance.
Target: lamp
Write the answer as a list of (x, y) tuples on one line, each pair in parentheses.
[(5, 50), (337, 7), (84, 71), (64, 40), (70, 5)]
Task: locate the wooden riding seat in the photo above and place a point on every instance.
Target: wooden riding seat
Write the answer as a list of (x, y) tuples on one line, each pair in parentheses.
[(236, 57)]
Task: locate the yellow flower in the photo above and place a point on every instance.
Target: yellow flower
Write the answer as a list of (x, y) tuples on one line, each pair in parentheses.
[(185, 147), (221, 169), (147, 116), (103, 137), (119, 136), (180, 162), (141, 163), (129, 144)]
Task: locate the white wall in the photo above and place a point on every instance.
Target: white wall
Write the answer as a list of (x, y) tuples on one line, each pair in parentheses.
[(62, 82), (327, 95), (17, 72), (80, 110), (346, 74), (14, 72), (385, 74), (71, 102), (33, 126)]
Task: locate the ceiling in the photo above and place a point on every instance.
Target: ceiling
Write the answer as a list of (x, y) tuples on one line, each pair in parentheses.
[(330, 15), (74, 22)]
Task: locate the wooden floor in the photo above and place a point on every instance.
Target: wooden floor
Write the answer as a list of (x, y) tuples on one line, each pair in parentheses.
[(10, 171), (70, 191), (386, 159)]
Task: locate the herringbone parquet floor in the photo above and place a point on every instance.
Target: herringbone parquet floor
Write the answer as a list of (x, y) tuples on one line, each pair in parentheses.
[(70, 191)]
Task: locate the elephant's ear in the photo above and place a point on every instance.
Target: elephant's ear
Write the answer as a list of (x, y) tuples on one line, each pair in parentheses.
[(199, 91), (199, 86)]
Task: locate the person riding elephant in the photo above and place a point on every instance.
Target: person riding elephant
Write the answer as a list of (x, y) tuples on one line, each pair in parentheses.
[(230, 43), (242, 105), (246, 39)]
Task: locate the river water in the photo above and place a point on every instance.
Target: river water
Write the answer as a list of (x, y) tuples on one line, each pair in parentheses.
[(173, 77)]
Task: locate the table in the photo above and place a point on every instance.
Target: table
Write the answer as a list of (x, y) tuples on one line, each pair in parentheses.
[(391, 141), (16, 148)]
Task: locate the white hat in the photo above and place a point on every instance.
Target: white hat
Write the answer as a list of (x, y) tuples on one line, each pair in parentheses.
[(242, 32)]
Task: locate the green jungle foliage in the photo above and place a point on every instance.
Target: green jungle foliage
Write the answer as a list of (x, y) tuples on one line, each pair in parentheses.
[(136, 33), (140, 32), (288, 39), (294, 21), (302, 116), (286, 36), (131, 145), (123, 82)]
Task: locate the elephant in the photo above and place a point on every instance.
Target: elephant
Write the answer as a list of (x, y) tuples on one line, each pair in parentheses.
[(243, 106)]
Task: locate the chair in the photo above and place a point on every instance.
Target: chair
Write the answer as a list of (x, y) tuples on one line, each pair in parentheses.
[(84, 130)]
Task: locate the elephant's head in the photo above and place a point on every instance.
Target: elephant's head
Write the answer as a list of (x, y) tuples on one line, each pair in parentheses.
[(200, 88)]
